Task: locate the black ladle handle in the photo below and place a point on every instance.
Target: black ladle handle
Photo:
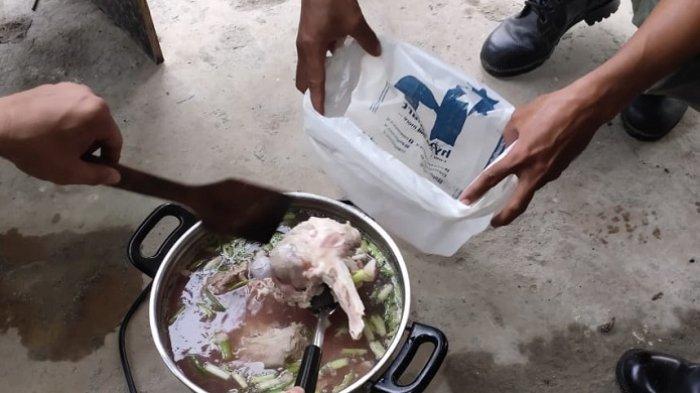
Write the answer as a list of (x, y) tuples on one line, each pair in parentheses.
[(308, 371)]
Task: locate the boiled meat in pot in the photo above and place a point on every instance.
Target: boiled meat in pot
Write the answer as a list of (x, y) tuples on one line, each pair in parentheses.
[(273, 346), (318, 251), (238, 318)]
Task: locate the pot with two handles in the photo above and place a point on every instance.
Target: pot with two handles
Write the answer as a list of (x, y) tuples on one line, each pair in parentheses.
[(164, 266)]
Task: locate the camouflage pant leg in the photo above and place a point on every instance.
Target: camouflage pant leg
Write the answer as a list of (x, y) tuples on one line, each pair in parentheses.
[(683, 84)]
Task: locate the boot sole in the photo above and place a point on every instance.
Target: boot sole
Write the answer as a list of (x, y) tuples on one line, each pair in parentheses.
[(642, 135), (598, 14), (636, 133), (591, 17), (621, 382)]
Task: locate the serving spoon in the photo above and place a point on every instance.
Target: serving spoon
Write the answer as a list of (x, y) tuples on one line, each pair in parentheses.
[(323, 305), (228, 207)]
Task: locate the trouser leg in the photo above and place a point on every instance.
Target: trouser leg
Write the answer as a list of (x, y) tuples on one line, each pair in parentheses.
[(684, 83)]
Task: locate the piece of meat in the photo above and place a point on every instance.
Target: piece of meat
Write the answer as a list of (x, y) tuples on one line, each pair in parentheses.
[(261, 288), (316, 251), (260, 266), (223, 282), (274, 345)]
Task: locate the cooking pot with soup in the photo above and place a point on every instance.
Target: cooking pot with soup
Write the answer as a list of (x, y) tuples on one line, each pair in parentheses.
[(218, 328)]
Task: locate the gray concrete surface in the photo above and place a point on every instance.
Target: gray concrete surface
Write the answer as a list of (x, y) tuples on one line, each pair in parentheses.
[(521, 304)]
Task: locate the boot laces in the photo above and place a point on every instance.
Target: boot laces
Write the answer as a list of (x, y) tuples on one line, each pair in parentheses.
[(542, 8)]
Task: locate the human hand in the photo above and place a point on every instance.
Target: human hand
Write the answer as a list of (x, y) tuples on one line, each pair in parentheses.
[(46, 131), (322, 25), (551, 131), (295, 389)]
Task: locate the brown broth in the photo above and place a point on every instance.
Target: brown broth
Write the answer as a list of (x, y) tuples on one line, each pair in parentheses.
[(190, 329)]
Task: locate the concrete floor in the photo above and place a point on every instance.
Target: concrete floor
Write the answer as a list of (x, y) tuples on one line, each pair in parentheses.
[(521, 305)]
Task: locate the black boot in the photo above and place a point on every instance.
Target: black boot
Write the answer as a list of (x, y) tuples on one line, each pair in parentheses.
[(522, 43), (640, 371), (651, 117)]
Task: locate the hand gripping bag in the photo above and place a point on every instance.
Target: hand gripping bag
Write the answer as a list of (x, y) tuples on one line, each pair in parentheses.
[(403, 135)]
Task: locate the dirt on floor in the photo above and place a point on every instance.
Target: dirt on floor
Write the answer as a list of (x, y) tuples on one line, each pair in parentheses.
[(65, 292), (575, 359)]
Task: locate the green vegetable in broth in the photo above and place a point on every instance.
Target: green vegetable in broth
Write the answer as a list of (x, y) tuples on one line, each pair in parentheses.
[(392, 317), (383, 293), (377, 349), (384, 269), (335, 365), (276, 238), (221, 341), (353, 351), (258, 379), (378, 325), (214, 263), (347, 380), (239, 380), (284, 380), (206, 310), (216, 371), (196, 363), (237, 285), (361, 276), (364, 246), (382, 264), (342, 331), (293, 367), (212, 301), (392, 309), (197, 264), (238, 251), (338, 363), (367, 331), (289, 217), (374, 251)]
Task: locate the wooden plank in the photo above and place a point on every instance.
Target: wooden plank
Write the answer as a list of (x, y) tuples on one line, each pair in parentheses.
[(134, 17)]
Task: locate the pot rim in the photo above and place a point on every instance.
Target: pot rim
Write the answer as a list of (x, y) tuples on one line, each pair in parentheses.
[(391, 245)]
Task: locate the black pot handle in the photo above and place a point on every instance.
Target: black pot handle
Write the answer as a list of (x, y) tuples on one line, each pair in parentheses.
[(419, 334), (150, 265), (349, 203)]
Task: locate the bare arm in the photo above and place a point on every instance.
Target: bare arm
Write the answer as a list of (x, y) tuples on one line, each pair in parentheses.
[(553, 129), (669, 37)]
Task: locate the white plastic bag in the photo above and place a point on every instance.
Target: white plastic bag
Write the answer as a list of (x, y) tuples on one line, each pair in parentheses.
[(403, 135)]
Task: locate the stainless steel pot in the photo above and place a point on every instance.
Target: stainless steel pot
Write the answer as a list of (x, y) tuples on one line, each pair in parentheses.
[(172, 255)]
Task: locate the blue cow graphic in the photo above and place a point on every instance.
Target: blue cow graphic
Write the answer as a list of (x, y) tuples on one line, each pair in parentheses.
[(451, 114)]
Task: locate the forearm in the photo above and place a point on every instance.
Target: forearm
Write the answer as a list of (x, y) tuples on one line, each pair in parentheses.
[(669, 37), (5, 124), (554, 128), (14, 119)]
